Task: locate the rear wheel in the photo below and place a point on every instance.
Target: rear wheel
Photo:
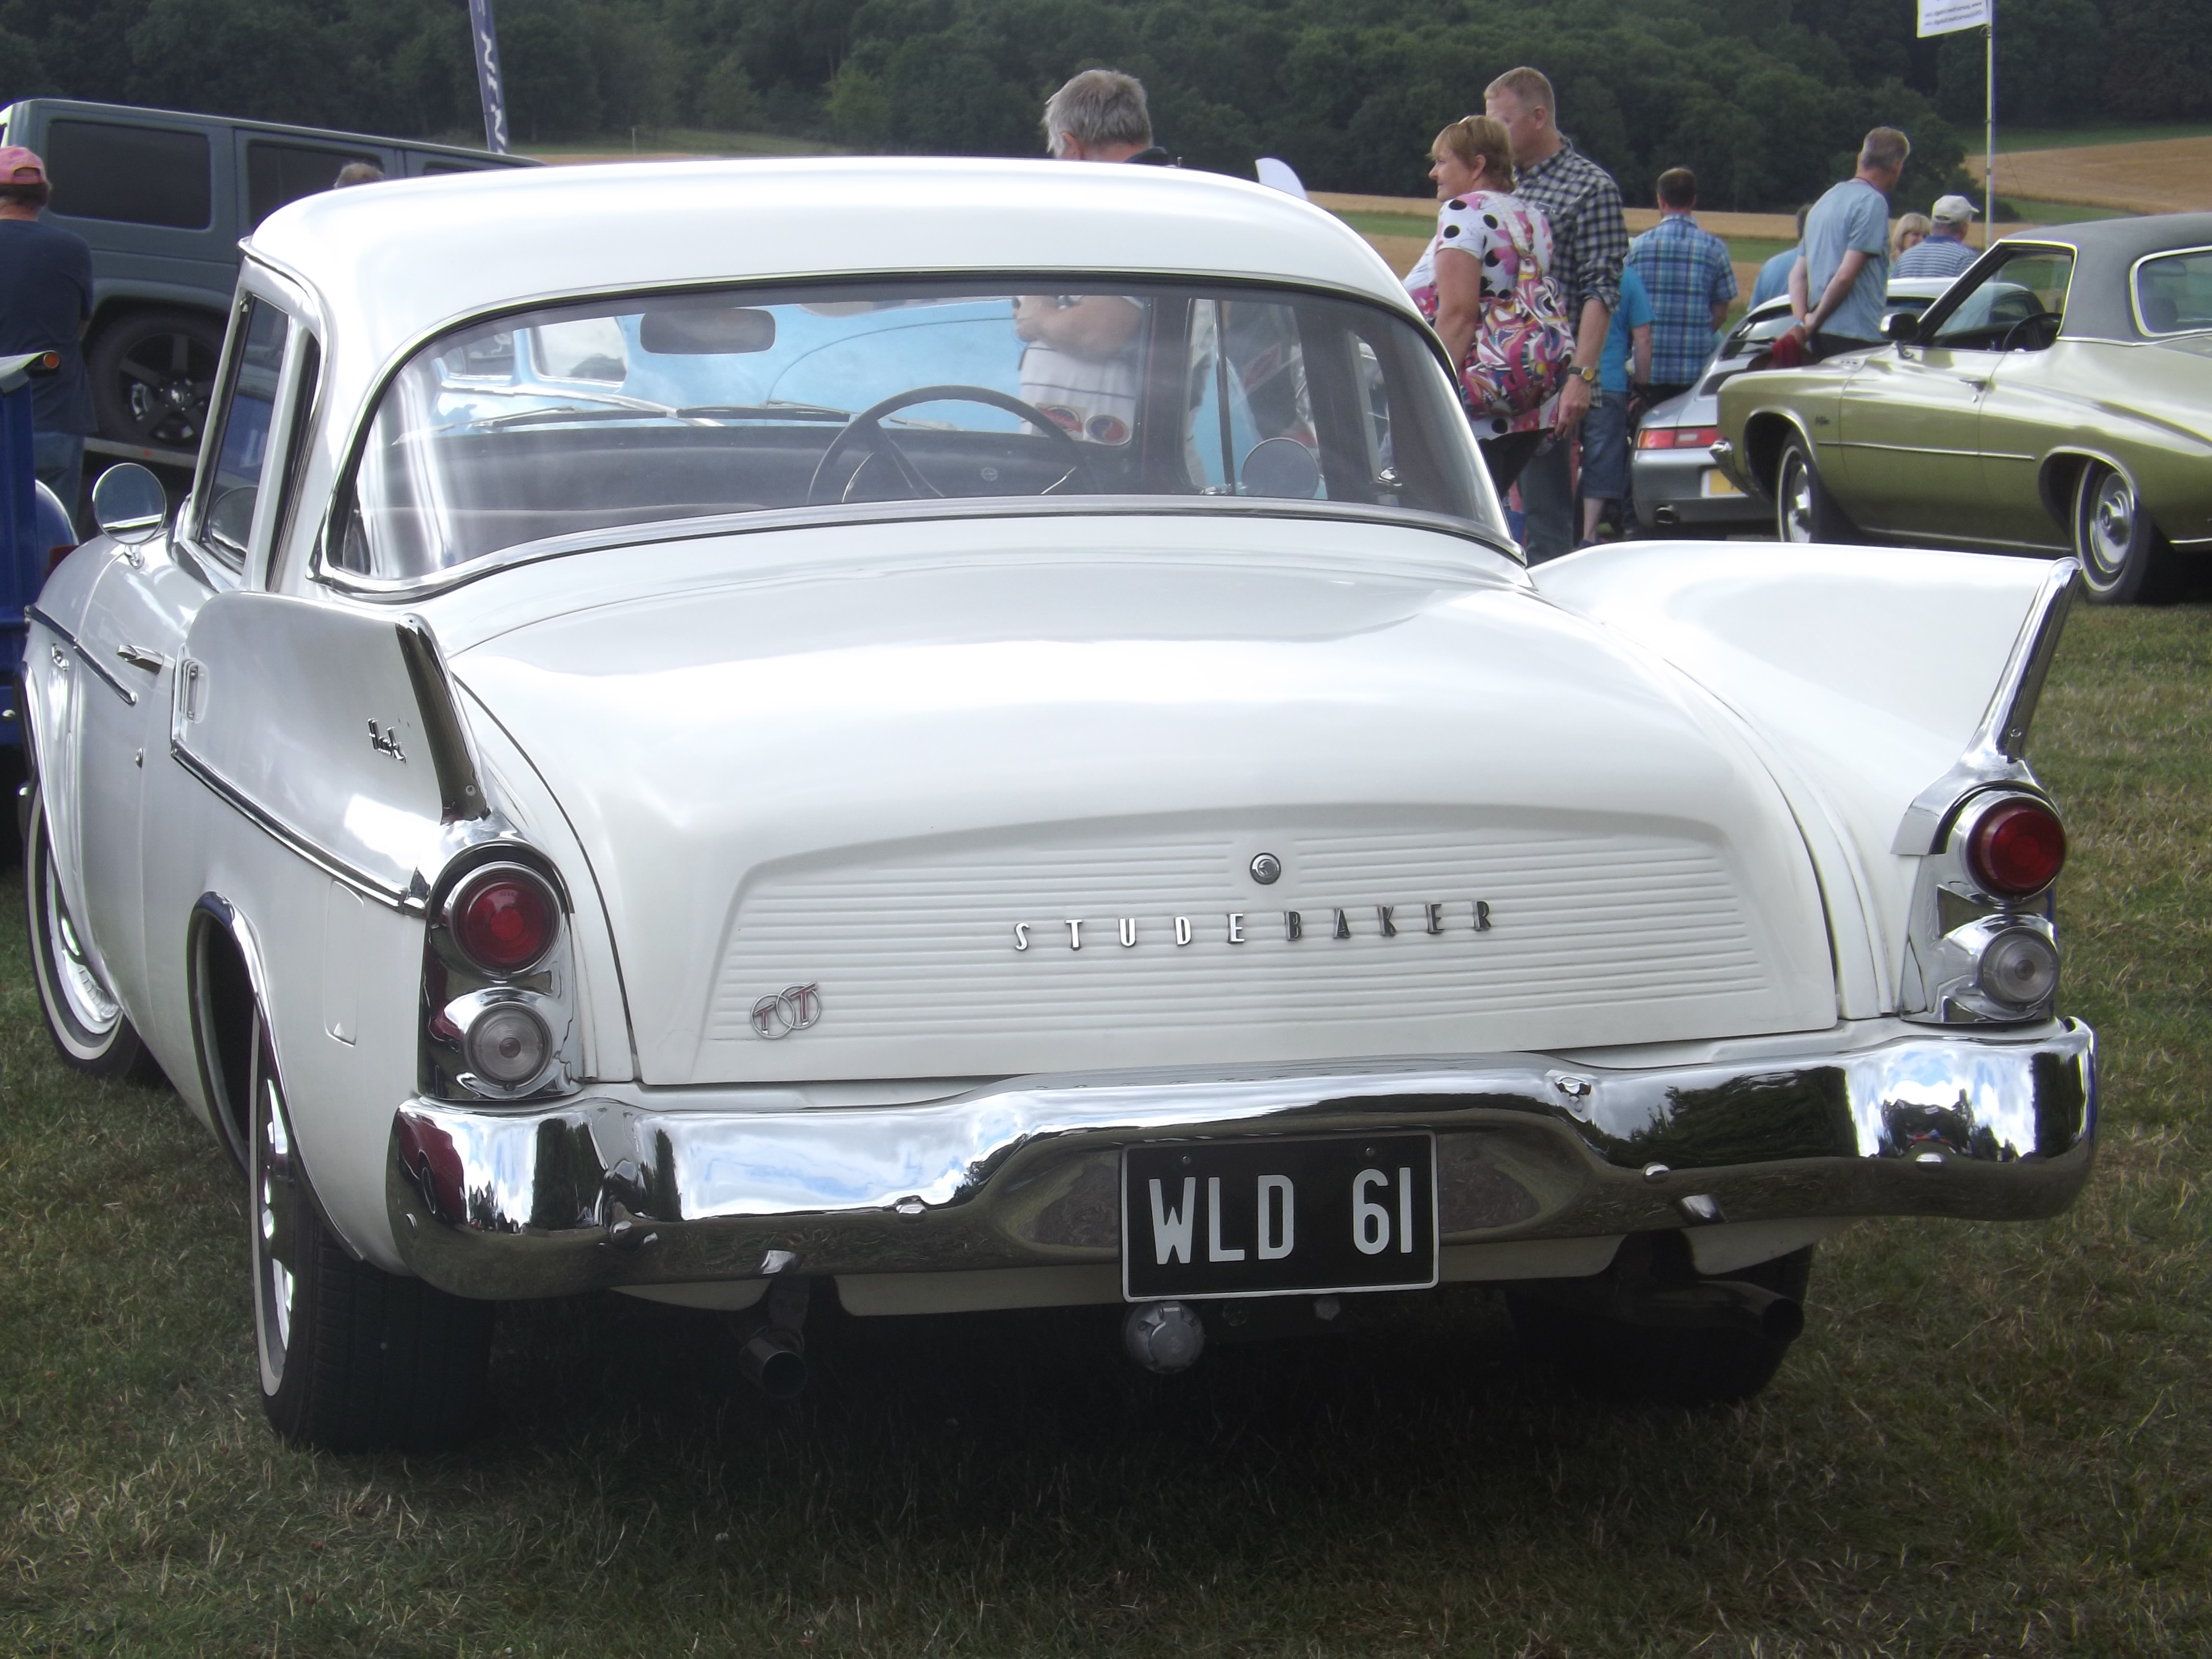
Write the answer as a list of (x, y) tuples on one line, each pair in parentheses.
[(2124, 561), (1660, 1364), (352, 1358), (1803, 509), (88, 1024), (153, 377)]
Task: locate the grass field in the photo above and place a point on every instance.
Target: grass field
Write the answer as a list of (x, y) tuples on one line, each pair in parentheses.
[(1991, 1441)]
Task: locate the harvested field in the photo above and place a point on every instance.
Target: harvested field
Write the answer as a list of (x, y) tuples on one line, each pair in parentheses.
[(2168, 175)]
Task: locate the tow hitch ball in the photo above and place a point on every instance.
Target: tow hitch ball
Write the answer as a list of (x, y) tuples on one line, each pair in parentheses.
[(1164, 1336)]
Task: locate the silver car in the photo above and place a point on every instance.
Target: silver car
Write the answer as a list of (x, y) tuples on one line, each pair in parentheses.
[(1672, 476)]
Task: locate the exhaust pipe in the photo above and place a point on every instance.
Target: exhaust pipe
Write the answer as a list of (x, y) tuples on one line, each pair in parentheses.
[(773, 1357), (1665, 517), (774, 1360), (1164, 1337)]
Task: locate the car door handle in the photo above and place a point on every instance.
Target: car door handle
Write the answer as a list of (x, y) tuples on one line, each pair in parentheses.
[(152, 661)]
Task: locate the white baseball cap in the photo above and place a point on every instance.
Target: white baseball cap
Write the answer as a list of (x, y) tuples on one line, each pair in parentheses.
[(1952, 209)]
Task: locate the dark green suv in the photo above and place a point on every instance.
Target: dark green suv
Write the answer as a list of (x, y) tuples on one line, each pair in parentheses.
[(164, 199)]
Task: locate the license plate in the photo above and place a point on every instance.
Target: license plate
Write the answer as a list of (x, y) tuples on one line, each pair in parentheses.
[(1306, 1216), (1717, 483)]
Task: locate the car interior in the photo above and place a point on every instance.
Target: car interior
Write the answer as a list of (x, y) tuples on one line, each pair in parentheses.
[(558, 423)]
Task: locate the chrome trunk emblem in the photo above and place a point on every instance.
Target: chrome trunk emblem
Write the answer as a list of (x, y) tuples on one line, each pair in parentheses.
[(793, 1009)]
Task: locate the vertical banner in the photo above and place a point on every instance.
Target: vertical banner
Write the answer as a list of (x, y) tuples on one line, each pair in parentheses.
[(1948, 17), (484, 39)]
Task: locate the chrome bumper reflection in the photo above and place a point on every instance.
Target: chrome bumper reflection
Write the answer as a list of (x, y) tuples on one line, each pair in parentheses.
[(507, 1203)]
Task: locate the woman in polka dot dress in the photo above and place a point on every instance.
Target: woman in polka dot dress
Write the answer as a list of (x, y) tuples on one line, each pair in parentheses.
[(1482, 285)]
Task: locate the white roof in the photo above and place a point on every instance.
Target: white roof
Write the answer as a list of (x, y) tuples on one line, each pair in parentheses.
[(395, 261)]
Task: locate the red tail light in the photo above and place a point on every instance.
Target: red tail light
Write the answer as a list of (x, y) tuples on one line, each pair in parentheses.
[(504, 918), (1678, 437), (2017, 849)]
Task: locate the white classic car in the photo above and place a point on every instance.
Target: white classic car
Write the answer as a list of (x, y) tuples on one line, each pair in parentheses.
[(970, 735)]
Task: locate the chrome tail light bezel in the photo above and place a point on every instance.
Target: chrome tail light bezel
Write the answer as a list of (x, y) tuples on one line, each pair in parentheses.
[(459, 990), (1957, 919)]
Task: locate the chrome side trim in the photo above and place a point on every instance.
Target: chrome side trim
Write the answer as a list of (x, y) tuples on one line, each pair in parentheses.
[(1994, 753), (604, 1190), (100, 670), (460, 790), (413, 902)]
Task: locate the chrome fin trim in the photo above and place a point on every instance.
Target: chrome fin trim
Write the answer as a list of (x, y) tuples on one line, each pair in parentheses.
[(460, 790)]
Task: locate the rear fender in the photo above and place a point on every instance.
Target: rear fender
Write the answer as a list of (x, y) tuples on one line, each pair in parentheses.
[(1885, 686)]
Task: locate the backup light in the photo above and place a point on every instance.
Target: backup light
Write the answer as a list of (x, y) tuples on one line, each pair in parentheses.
[(507, 1044), (504, 918), (2019, 966), (2017, 849)]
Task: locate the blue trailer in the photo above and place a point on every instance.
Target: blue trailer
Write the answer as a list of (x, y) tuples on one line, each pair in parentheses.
[(35, 533)]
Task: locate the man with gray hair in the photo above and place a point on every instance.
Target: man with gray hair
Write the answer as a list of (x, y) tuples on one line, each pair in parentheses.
[(1841, 280), (1100, 116), (1079, 356), (1946, 253)]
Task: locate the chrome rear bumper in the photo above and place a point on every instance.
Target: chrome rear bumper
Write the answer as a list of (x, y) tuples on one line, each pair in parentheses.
[(603, 1191)]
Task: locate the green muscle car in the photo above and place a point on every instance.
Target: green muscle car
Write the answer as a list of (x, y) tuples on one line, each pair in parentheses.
[(2057, 398)]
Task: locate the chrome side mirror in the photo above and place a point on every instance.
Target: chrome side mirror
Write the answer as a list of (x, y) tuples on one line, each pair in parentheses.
[(130, 504), (1901, 327)]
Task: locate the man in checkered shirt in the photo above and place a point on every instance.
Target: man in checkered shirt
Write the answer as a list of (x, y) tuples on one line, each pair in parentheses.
[(1687, 272), (1589, 239)]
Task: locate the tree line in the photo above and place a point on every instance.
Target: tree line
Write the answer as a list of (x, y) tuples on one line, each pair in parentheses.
[(1765, 99)]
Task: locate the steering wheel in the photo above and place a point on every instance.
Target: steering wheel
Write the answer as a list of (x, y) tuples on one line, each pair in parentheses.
[(2012, 335), (865, 428)]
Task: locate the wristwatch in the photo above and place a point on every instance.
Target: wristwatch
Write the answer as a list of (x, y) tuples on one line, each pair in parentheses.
[(1584, 372)]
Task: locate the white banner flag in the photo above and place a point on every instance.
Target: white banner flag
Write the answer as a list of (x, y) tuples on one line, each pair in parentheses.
[(1948, 17)]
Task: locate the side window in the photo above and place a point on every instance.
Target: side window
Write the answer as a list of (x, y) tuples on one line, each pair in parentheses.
[(140, 175), (241, 453), (297, 432), (2016, 306), (277, 174), (2173, 293)]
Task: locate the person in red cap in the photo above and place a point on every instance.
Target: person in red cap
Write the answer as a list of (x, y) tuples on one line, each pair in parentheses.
[(45, 301)]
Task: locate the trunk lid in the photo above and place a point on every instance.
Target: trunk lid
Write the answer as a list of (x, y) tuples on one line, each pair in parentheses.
[(1497, 827)]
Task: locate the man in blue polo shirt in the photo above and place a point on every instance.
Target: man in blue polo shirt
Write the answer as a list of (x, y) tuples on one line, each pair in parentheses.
[(1604, 429), (1773, 279), (1841, 278)]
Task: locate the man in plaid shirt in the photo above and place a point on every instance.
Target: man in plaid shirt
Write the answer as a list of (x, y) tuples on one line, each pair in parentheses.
[(1589, 239), (1687, 271)]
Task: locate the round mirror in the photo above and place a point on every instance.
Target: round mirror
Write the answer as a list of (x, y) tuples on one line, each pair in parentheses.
[(129, 503), (1282, 467)]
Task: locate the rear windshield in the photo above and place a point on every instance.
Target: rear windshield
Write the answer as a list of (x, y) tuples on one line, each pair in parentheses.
[(2174, 292), (588, 418)]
